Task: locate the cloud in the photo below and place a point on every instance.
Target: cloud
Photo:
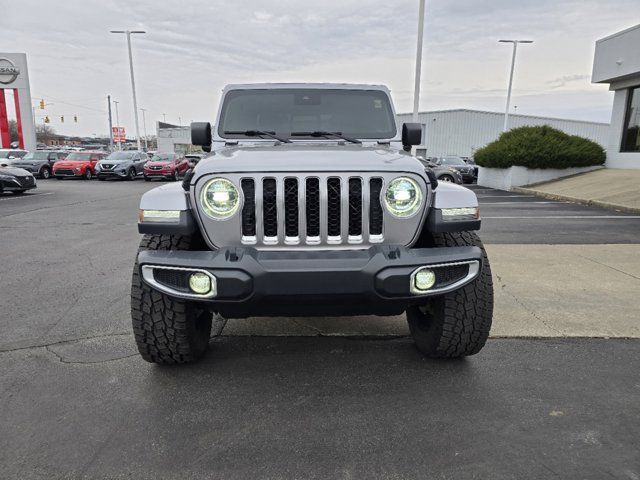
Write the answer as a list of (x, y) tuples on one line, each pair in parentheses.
[(192, 49)]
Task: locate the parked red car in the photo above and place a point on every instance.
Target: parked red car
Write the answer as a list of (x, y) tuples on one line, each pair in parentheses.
[(170, 166), (78, 164)]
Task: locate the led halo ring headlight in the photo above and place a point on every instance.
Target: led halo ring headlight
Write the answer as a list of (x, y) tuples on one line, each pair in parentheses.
[(220, 198), (403, 197)]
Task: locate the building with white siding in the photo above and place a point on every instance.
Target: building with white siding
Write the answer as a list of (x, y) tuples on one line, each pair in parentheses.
[(461, 132), (617, 62)]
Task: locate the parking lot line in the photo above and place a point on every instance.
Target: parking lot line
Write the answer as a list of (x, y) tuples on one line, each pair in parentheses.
[(517, 203), (590, 217), (506, 196), (25, 196)]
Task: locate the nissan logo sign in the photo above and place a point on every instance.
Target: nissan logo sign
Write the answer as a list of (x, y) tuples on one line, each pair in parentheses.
[(8, 71)]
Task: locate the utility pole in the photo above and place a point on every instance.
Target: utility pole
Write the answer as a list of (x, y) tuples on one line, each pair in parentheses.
[(118, 123), (110, 124), (133, 81), (144, 129), (164, 117), (513, 64), (416, 91)]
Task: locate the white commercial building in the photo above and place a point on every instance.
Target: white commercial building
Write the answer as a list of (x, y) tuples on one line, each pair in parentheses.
[(617, 62), (461, 132), (173, 138)]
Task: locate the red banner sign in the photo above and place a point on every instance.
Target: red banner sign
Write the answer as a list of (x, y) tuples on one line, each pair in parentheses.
[(118, 134)]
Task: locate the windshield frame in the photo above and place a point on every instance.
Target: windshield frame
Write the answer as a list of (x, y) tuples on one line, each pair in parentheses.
[(219, 131)]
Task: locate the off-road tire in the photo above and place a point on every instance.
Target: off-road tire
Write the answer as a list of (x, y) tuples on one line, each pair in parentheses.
[(456, 324), (167, 330)]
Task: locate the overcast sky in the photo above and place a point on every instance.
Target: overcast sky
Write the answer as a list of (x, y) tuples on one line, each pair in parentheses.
[(192, 49)]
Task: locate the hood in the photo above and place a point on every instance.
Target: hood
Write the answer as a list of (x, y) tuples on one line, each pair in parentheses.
[(114, 162), (309, 157), (18, 172), (71, 163)]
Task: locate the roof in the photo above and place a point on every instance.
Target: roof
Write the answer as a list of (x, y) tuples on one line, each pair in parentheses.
[(319, 86), (519, 115), (622, 32)]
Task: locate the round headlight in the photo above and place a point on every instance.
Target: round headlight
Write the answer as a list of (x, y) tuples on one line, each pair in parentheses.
[(403, 197), (220, 198)]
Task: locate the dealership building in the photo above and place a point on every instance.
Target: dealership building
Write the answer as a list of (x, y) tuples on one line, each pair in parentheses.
[(461, 132), (617, 63)]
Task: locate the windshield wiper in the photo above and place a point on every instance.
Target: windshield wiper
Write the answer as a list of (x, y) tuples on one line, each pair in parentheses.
[(257, 133), (325, 134)]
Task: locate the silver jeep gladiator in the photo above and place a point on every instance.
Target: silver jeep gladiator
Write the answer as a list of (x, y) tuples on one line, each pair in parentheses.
[(310, 204)]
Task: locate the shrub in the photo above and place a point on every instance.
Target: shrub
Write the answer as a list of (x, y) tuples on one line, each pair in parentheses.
[(540, 147)]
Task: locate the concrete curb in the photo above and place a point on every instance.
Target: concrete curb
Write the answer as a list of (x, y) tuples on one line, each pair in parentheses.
[(582, 201)]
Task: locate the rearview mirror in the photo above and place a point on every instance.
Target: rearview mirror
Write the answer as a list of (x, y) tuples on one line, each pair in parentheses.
[(411, 135), (201, 135)]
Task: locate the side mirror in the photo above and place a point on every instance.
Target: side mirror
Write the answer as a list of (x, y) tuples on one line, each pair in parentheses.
[(201, 135), (411, 135)]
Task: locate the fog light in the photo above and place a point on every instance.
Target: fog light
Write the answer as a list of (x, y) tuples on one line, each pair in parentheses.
[(423, 280), (200, 283)]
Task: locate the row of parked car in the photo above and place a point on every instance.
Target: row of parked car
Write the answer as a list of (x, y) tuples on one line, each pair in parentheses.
[(126, 165)]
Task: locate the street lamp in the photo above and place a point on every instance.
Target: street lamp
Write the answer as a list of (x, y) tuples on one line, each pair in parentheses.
[(416, 91), (144, 128), (133, 82), (513, 64), (115, 102)]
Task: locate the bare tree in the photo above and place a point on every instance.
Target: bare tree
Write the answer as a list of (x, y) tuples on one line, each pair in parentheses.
[(45, 133)]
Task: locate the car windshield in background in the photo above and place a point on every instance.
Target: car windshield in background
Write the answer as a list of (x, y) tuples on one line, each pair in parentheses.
[(37, 156), (452, 161), (364, 114), (79, 157), (162, 158), (4, 154), (121, 156)]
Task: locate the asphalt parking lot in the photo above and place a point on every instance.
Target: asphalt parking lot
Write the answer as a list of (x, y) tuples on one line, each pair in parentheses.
[(300, 398)]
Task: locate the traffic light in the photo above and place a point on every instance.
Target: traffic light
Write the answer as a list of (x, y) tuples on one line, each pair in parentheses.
[(41, 104), (46, 119), (61, 118), (75, 118)]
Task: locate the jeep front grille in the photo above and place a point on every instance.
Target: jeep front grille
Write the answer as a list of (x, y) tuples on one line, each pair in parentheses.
[(311, 211), (334, 210)]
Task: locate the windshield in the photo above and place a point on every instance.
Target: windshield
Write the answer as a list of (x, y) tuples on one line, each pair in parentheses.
[(353, 113), (162, 157), (79, 156), (4, 154), (37, 156), (120, 156), (452, 161)]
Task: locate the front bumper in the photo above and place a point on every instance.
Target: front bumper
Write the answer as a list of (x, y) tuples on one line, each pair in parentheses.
[(111, 174), (17, 184), (250, 282), (66, 172), (158, 173)]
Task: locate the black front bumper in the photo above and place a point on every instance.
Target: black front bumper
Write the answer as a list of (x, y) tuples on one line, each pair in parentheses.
[(111, 174), (338, 282)]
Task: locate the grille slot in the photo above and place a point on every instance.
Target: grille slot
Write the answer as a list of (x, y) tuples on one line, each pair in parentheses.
[(355, 207), (249, 208), (269, 207), (291, 207), (375, 208), (313, 207), (333, 207), (176, 279)]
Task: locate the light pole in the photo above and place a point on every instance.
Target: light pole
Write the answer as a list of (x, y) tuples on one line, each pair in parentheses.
[(164, 118), (133, 81), (144, 128), (115, 102), (416, 91), (513, 64)]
